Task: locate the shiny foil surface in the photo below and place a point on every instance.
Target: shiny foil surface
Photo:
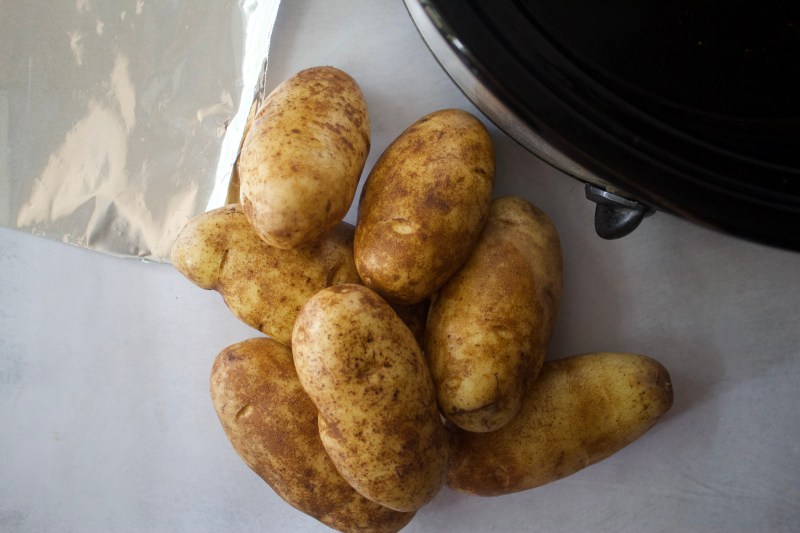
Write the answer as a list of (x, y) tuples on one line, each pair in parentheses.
[(120, 120)]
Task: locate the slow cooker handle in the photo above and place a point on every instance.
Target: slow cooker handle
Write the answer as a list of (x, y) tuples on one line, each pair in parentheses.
[(614, 215)]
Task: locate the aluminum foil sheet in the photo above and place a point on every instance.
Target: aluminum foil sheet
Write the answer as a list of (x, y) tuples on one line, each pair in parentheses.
[(121, 119)]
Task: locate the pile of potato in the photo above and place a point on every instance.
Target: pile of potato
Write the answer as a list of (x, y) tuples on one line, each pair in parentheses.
[(407, 352)]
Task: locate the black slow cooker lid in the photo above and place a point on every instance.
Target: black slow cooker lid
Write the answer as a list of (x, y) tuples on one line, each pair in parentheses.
[(691, 106)]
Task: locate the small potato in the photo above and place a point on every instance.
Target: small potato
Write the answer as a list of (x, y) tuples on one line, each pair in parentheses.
[(272, 425), (365, 372), (423, 206), (579, 411), (262, 285), (489, 326), (302, 157)]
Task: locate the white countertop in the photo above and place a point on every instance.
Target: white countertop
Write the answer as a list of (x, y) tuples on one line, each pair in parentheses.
[(107, 425)]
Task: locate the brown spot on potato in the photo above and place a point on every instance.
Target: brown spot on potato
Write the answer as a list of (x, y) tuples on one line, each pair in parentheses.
[(436, 201)]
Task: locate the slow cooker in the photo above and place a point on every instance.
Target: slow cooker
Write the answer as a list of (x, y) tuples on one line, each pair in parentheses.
[(687, 107)]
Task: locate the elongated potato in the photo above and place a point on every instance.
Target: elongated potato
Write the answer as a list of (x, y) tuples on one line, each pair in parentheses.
[(262, 285), (272, 425), (423, 205), (365, 372), (303, 156), (579, 411), (489, 326)]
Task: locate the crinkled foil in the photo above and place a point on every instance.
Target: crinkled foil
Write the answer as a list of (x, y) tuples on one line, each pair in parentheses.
[(120, 120)]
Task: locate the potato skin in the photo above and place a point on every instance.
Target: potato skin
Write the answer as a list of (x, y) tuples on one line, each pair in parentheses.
[(489, 326), (303, 156), (415, 316), (579, 411), (272, 425), (423, 205), (365, 372), (262, 285)]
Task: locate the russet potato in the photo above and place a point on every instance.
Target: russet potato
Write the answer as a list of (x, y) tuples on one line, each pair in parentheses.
[(423, 205), (272, 425), (302, 157), (366, 374), (580, 410), (262, 285), (415, 316), (489, 326)]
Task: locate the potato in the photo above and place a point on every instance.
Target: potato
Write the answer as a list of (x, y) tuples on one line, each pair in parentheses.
[(233, 194), (302, 157), (423, 205), (415, 316), (579, 411), (262, 285), (365, 372), (489, 326), (272, 425)]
